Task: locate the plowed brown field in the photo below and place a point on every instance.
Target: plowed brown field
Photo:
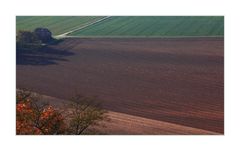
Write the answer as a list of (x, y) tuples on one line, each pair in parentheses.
[(177, 80)]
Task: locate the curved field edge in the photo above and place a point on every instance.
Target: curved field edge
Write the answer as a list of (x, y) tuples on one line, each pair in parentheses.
[(155, 26), (125, 124)]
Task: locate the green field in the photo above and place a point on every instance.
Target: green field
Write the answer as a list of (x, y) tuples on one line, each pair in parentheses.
[(126, 26), (56, 24), (156, 26)]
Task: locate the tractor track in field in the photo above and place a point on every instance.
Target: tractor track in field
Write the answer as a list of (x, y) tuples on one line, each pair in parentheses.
[(64, 35)]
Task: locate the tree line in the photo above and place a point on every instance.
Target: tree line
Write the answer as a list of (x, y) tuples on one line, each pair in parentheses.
[(33, 39)]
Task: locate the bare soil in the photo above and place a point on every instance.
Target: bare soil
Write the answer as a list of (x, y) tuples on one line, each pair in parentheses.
[(125, 124), (116, 123), (178, 80)]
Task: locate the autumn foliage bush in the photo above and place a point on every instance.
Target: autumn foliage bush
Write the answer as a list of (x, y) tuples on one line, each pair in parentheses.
[(35, 118)]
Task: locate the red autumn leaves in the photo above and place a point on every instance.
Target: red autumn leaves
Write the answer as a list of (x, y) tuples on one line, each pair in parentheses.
[(35, 118)]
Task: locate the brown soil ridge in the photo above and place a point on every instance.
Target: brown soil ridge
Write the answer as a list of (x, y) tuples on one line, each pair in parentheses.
[(125, 124)]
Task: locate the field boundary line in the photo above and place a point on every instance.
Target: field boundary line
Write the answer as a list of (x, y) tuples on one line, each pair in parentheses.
[(143, 36), (81, 27)]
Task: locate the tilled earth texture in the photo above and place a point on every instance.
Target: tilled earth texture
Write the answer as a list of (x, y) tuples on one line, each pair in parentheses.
[(176, 80)]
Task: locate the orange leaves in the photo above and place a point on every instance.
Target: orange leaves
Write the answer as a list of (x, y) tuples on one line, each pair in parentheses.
[(33, 117), (47, 112), (24, 107), (36, 120), (26, 128)]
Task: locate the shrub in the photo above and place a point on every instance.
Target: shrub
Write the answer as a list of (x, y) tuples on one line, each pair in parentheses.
[(27, 40), (84, 112), (27, 37), (37, 118)]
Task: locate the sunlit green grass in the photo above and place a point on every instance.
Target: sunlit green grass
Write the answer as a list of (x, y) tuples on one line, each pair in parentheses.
[(156, 26), (56, 24)]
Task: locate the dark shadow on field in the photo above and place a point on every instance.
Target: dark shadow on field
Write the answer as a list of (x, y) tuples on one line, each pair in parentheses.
[(55, 41), (46, 55)]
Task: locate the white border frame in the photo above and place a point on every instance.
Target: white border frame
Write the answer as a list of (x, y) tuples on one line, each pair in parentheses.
[(230, 9)]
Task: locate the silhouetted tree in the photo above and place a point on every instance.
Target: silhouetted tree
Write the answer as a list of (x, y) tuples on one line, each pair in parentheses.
[(27, 40), (43, 34), (27, 37), (84, 112)]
